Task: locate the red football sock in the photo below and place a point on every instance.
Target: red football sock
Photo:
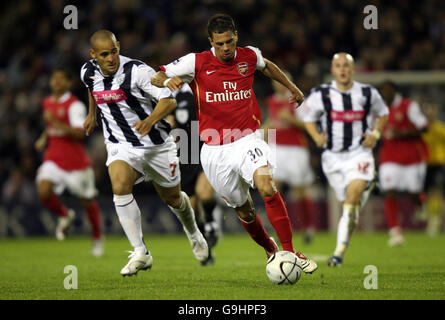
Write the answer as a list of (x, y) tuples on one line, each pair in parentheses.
[(308, 213), (391, 212), (93, 213), (258, 233), (277, 214), (54, 204)]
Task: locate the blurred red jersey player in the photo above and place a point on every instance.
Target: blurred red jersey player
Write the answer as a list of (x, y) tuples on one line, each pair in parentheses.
[(403, 156), (65, 162), (292, 154)]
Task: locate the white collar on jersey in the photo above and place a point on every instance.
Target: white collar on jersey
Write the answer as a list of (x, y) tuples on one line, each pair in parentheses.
[(213, 51), (334, 85), (64, 97)]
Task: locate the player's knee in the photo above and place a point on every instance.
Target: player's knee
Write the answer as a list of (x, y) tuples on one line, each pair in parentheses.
[(353, 197), (173, 200), (204, 195), (246, 216), (121, 188), (44, 191), (267, 189)]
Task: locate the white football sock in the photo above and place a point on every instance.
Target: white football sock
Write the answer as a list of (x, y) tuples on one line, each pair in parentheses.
[(186, 214), (346, 227), (130, 218)]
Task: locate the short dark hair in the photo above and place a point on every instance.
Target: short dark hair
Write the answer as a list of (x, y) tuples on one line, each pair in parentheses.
[(220, 23), (67, 72), (389, 83)]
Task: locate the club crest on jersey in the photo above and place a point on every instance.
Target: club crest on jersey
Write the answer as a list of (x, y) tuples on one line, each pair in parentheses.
[(120, 79), (243, 68)]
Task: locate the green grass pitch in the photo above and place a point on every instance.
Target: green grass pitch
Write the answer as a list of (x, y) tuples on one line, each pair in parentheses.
[(33, 268)]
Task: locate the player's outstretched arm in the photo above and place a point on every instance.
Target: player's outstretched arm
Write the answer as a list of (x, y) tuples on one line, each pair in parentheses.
[(319, 138), (163, 108), (90, 121), (161, 80), (272, 71)]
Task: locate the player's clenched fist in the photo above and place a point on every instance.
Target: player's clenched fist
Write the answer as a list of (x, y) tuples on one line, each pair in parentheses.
[(297, 97), (143, 126)]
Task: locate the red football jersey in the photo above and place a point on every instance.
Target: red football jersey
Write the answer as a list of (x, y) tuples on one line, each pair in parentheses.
[(403, 151), (227, 108), (288, 134), (67, 152)]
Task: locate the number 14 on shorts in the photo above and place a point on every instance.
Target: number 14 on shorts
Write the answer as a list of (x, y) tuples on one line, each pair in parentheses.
[(363, 167)]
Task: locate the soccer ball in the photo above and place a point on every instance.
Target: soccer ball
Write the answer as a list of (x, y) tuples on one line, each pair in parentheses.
[(283, 267)]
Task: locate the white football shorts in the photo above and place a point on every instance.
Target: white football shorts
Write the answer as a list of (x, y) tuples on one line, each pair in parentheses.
[(293, 165), (159, 164), (230, 167), (80, 183), (341, 168), (403, 178)]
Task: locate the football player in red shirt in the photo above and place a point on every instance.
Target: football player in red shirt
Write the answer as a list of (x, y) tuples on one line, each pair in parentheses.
[(403, 156), (66, 165), (234, 156)]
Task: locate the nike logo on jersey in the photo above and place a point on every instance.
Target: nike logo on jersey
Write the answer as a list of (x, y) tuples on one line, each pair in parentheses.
[(94, 77), (210, 72)]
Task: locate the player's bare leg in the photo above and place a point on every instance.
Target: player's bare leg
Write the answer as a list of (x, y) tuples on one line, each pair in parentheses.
[(179, 202), (122, 177), (53, 203), (277, 214), (348, 221)]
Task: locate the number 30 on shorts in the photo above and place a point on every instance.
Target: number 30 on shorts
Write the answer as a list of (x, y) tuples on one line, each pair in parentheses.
[(255, 153)]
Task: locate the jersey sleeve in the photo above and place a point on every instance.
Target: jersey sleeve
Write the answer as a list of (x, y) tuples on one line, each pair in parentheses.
[(378, 106), (83, 70), (416, 116), (77, 113), (260, 63), (312, 107), (143, 80), (183, 68)]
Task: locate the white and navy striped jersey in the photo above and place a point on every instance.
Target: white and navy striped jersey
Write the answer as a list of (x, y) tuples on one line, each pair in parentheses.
[(125, 98), (344, 115)]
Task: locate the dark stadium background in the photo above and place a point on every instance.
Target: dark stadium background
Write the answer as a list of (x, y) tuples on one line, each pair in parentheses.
[(300, 36)]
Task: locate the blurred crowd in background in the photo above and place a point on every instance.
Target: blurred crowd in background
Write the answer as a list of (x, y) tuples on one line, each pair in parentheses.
[(300, 36)]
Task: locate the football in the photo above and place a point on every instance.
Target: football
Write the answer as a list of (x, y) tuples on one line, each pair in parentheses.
[(283, 267)]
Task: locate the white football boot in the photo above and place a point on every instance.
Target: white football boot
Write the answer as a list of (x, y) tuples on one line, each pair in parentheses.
[(199, 245), (97, 250), (63, 223), (276, 249), (396, 237), (138, 261), (306, 264)]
